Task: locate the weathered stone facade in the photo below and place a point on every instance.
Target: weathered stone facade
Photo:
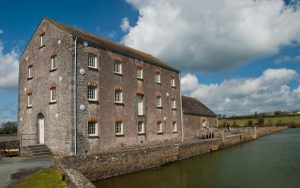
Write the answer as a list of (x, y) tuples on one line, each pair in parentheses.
[(59, 117)]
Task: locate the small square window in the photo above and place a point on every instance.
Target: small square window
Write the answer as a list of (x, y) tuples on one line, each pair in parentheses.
[(92, 129), (173, 82), (118, 96), (158, 101), (141, 127), (42, 40), (53, 62), (157, 78), (53, 95), (119, 128), (174, 103), (159, 127), (117, 67), (92, 61), (174, 127), (29, 100), (92, 93), (139, 73)]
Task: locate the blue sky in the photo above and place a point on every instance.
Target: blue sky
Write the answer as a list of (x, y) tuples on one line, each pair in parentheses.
[(219, 46)]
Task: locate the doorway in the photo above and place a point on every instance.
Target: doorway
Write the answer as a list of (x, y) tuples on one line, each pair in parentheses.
[(41, 128)]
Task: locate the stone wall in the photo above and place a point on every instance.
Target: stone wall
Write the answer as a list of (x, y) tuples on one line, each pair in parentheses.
[(104, 165), (57, 116)]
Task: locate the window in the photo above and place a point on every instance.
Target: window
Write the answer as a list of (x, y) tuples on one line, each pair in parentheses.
[(173, 82), (174, 127), (174, 103), (92, 93), (117, 67), (158, 101), (157, 77), (141, 127), (159, 127), (118, 96), (42, 39), (53, 95), (119, 128), (30, 75), (92, 129), (92, 61), (29, 100), (140, 105), (139, 73), (53, 62)]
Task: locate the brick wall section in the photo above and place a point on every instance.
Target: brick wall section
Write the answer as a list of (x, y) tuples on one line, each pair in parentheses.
[(104, 165), (58, 115), (107, 111)]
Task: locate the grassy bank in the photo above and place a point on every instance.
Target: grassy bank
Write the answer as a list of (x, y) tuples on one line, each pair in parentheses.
[(288, 120), (43, 179)]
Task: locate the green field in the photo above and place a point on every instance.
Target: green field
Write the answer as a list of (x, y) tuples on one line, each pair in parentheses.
[(288, 120)]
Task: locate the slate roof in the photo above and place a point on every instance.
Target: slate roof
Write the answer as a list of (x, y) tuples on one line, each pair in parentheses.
[(192, 106), (111, 46)]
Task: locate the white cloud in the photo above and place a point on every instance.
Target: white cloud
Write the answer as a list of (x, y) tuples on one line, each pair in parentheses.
[(125, 26), (1, 31), (212, 35), (268, 92), (9, 68), (287, 59)]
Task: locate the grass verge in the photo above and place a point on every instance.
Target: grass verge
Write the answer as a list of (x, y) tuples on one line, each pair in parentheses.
[(46, 178)]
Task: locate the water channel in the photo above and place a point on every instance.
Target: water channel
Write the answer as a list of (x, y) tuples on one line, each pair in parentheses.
[(272, 161)]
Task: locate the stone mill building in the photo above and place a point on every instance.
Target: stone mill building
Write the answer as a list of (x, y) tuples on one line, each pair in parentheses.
[(79, 93), (82, 94)]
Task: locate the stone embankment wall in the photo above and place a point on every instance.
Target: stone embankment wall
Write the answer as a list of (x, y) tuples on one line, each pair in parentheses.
[(104, 165)]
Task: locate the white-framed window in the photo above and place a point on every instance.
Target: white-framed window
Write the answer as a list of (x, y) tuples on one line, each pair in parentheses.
[(42, 39), (92, 93), (92, 128), (174, 103), (159, 127), (53, 94), (158, 101), (173, 84), (118, 96), (92, 61), (174, 124), (139, 73), (54, 62), (29, 100), (119, 128), (157, 77), (30, 75), (117, 67), (140, 105), (141, 127)]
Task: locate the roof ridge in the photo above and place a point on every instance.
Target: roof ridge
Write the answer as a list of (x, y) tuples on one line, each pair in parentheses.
[(141, 55)]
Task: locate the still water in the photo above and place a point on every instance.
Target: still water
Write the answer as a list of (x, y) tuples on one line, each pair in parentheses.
[(272, 161)]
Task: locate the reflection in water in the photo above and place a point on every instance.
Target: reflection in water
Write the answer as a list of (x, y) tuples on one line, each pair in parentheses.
[(272, 161)]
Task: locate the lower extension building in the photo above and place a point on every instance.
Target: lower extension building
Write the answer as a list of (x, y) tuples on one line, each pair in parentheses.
[(82, 94), (196, 117)]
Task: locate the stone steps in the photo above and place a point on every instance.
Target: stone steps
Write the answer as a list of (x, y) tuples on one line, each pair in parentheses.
[(39, 150)]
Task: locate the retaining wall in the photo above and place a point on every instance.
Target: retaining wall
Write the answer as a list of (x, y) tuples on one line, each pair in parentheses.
[(104, 165)]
